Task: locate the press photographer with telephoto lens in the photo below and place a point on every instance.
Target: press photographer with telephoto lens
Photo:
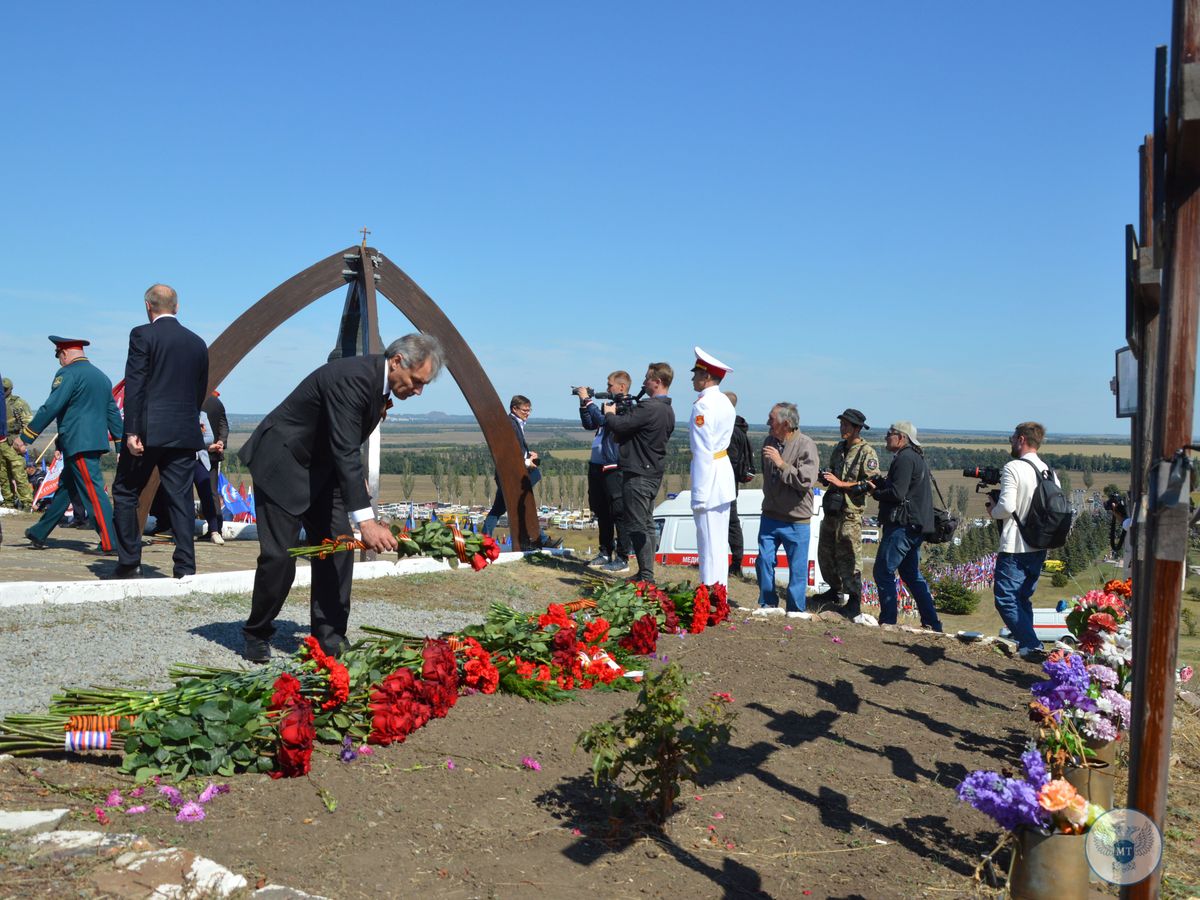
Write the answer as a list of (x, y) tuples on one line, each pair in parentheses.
[(605, 495)]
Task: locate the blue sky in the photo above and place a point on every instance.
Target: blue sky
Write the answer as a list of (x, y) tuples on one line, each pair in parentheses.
[(913, 209)]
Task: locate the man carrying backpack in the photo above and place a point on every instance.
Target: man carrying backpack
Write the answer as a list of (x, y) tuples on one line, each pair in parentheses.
[(1022, 547)]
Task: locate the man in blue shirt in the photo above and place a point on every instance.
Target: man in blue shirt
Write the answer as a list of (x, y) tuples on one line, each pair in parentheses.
[(604, 478)]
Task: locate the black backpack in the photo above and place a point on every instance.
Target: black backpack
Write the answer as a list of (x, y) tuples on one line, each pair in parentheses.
[(1049, 519)]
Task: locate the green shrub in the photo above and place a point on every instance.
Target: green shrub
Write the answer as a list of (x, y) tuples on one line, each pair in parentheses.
[(646, 753), (1189, 621), (951, 595), (1060, 579)]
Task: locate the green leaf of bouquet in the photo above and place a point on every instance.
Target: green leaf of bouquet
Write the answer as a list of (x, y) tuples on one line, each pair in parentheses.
[(148, 739), (218, 734), (241, 712), (145, 773), (211, 711), (329, 735), (178, 729), (201, 741)]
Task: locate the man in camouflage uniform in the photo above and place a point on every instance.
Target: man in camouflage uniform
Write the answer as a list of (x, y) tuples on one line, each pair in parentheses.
[(12, 463), (839, 553)]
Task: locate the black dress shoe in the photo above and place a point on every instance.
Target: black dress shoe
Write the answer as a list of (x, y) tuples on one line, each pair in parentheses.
[(35, 543), (125, 572), (256, 650)]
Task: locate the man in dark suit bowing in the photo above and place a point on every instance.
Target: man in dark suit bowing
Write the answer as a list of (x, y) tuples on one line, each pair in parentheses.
[(306, 461), (166, 381)]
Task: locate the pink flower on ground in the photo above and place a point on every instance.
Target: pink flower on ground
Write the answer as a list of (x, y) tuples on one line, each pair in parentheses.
[(723, 696), (101, 815), (718, 815), (137, 792), (213, 790), (450, 764), (172, 794), (114, 798), (366, 750), (837, 640), (135, 810), (532, 764), (576, 832), (787, 627), (190, 812)]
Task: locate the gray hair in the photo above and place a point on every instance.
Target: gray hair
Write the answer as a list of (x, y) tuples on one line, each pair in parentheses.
[(786, 414), (162, 298), (414, 349)]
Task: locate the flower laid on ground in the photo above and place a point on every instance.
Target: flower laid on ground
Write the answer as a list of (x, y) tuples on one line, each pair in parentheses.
[(294, 744), (532, 764), (114, 798), (171, 793), (137, 792), (1184, 675), (135, 810), (100, 814), (723, 696), (211, 791), (190, 812), (348, 753)]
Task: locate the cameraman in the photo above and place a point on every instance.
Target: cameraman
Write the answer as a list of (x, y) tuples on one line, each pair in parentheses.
[(641, 436), (604, 477), (1018, 565)]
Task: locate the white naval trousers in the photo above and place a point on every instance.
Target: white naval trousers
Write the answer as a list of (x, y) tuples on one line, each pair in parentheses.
[(712, 540)]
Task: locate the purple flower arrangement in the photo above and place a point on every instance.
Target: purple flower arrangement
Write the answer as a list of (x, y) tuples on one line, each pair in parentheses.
[(1012, 802)]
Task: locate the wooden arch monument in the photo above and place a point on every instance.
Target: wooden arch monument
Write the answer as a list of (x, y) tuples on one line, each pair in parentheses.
[(368, 274)]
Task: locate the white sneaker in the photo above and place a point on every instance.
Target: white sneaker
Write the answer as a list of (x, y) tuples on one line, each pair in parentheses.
[(768, 611), (796, 614), (215, 537)]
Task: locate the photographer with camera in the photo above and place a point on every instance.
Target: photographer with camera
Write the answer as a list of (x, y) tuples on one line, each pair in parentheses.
[(1018, 564), (604, 476), (905, 498), (519, 408), (641, 435)]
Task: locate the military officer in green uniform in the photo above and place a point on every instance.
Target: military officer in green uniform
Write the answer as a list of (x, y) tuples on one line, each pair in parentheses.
[(14, 482), (839, 552), (81, 400)]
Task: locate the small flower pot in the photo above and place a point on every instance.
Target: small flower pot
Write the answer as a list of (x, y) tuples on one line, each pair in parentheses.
[(1048, 867)]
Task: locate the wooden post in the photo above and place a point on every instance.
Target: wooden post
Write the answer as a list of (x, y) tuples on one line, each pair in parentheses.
[(1163, 563)]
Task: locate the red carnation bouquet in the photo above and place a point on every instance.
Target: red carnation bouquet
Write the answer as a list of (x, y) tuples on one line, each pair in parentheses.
[(294, 745)]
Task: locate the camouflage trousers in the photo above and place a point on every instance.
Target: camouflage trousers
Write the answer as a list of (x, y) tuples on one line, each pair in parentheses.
[(12, 471), (839, 553)]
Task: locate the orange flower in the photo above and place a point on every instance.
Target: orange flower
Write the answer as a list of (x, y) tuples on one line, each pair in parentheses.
[(1057, 795)]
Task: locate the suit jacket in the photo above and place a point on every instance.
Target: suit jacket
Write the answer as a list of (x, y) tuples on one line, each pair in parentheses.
[(81, 400), (166, 381), (219, 422), (311, 442)]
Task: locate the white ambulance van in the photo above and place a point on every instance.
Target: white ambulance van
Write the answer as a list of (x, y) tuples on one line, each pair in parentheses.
[(677, 536)]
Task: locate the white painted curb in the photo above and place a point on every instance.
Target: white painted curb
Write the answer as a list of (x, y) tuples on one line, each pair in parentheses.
[(28, 593)]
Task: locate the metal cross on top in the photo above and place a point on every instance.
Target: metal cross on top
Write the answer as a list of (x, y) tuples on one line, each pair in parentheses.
[(364, 232)]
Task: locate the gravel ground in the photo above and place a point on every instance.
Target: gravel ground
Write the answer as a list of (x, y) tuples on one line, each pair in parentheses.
[(132, 643)]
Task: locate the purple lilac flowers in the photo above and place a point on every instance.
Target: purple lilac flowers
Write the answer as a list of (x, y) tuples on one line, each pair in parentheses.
[(1012, 802), (1068, 685)]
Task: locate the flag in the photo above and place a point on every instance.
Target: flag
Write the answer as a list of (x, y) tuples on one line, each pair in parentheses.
[(250, 512), (50, 483), (234, 504), (119, 396)]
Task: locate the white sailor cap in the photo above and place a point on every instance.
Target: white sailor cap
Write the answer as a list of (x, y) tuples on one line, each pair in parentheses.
[(710, 364)]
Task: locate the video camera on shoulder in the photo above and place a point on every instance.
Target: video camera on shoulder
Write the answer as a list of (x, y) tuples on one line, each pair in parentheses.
[(623, 402), (1116, 504), (988, 476)]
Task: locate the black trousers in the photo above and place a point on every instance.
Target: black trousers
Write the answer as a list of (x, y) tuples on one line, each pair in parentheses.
[(607, 500), (639, 493), (329, 600), (737, 545), (176, 469)]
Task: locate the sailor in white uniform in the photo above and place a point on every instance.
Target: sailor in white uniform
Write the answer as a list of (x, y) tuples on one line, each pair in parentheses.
[(713, 489)]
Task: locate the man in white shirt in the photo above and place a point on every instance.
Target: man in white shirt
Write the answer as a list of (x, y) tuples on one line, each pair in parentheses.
[(713, 488), (1017, 564)]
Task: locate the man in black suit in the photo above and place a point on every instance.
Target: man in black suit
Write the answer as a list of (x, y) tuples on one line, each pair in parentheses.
[(219, 422), (166, 380), (519, 408), (306, 461)]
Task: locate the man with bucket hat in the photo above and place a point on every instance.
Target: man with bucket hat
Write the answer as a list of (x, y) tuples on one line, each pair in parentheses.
[(713, 488), (839, 553), (906, 512), (81, 400)]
